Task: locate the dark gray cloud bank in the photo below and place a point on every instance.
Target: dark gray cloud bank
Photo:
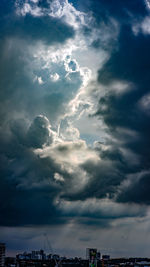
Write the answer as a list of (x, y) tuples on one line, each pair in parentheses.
[(46, 179)]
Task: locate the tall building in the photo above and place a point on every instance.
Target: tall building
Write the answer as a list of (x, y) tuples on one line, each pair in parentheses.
[(2, 254), (91, 255)]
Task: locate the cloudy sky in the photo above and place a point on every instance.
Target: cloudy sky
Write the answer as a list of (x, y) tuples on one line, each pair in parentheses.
[(74, 126)]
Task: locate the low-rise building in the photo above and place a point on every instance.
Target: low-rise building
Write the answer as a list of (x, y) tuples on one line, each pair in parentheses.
[(2, 254)]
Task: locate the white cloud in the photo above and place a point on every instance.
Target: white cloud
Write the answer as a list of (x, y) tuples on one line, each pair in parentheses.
[(69, 153), (120, 87), (103, 208), (69, 133), (40, 81), (144, 103), (64, 9), (147, 3), (58, 177), (34, 1), (54, 77), (69, 156), (146, 25), (75, 63), (143, 25), (23, 8)]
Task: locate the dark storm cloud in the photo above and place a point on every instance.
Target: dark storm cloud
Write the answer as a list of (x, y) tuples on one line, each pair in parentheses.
[(129, 62), (127, 150), (120, 10), (21, 94), (43, 3), (45, 29), (106, 175), (32, 182), (27, 181), (27, 186), (105, 178), (125, 11), (137, 191), (18, 91), (107, 12), (39, 133), (28, 27)]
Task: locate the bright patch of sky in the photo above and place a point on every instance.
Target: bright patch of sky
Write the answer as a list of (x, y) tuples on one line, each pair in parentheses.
[(76, 62)]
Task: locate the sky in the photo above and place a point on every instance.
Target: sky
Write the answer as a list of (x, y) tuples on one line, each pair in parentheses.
[(74, 126)]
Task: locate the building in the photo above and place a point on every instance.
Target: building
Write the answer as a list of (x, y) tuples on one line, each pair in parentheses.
[(91, 256), (90, 253), (98, 255), (106, 257), (38, 255), (2, 254)]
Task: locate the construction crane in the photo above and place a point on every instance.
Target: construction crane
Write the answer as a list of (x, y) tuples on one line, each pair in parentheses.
[(57, 263)]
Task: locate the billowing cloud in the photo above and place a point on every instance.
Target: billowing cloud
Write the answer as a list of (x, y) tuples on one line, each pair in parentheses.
[(39, 133), (74, 115), (128, 111), (101, 209)]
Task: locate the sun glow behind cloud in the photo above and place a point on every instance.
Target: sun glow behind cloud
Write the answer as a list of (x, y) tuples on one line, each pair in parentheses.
[(76, 109)]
